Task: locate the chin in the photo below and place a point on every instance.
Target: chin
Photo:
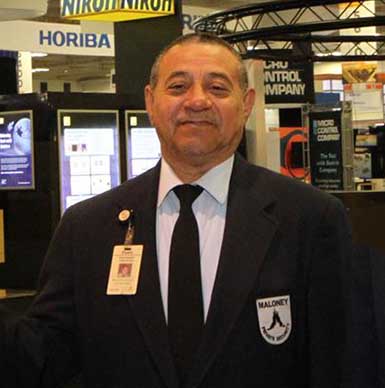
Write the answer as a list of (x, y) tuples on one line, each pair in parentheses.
[(193, 148), (201, 155)]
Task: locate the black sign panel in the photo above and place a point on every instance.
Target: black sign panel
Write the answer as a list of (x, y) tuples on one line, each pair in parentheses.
[(326, 150), (288, 82), (16, 150)]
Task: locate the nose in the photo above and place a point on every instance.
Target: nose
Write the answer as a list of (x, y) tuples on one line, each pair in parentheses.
[(198, 99)]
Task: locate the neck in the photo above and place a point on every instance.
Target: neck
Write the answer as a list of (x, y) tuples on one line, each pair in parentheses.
[(188, 172)]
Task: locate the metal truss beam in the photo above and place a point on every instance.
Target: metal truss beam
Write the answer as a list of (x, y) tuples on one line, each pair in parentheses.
[(262, 30)]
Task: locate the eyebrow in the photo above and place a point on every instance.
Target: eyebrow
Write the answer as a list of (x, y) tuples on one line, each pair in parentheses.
[(211, 75), (178, 73)]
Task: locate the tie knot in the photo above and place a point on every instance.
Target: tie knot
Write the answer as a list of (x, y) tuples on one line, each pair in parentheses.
[(187, 194)]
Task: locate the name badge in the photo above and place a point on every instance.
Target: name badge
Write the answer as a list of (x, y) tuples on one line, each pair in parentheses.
[(125, 269)]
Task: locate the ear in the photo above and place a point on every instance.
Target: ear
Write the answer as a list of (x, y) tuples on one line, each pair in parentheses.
[(248, 102), (149, 100)]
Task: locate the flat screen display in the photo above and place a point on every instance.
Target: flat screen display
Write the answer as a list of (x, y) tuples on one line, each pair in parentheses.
[(143, 147), (89, 154), (362, 165), (16, 150), (366, 140)]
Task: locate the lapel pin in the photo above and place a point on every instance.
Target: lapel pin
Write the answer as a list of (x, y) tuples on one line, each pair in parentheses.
[(124, 215)]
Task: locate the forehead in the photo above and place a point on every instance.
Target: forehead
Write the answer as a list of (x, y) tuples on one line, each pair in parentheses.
[(199, 57)]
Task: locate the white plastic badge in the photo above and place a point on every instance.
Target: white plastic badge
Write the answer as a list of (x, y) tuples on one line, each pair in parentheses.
[(274, 315), (125, 269)]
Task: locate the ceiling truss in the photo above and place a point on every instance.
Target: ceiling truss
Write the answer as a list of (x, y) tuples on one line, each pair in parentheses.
[(311, 30)]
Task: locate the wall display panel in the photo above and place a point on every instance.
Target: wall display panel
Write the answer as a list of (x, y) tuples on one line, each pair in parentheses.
[(88, 154), (325, 141), (143, 147), (16, 150)]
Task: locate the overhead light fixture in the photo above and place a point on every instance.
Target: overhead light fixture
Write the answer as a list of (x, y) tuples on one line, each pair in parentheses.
[(334, 53), (40, 69), (22, 9), (38, 55)]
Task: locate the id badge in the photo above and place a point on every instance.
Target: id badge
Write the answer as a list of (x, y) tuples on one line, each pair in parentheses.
[(125, 269)]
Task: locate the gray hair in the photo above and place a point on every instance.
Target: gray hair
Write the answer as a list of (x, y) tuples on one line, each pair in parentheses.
[(200, 38)]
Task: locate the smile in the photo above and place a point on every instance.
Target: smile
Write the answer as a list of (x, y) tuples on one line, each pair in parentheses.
[(197, 122)]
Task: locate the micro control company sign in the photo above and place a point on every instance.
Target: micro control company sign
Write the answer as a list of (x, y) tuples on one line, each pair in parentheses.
[(288, 82), (54, 38), (115, 10)]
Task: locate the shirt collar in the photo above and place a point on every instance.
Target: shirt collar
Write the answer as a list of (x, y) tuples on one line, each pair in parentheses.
[(216, 181)]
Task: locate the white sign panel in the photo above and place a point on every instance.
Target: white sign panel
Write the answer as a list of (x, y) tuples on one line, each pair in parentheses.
[(24, 72), (356, 11), (54, 38), (191, 15), (367, 101)]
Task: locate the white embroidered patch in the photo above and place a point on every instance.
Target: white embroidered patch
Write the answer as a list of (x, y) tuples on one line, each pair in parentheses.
[(274, 316)]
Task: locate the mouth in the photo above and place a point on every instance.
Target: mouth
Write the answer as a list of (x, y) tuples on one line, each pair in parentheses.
[(197, 122)]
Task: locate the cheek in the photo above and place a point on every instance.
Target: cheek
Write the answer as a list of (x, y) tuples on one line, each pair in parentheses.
[(166, 113), (160, 116), (233, 115), (164, 120)]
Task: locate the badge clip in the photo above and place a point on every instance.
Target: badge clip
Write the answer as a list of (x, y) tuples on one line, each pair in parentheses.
[(127, 216)]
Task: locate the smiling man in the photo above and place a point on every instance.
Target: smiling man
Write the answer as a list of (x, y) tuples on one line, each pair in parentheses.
[(199, 102), (242, 277)]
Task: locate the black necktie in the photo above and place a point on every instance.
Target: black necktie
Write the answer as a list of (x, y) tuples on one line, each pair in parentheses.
[(185, 305)]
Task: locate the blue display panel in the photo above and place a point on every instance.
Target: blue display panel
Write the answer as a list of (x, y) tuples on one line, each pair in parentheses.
[(16, 150), (89, 154), (143, 147)]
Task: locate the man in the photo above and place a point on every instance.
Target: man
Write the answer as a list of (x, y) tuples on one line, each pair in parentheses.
[(270, 249), (366, 347)]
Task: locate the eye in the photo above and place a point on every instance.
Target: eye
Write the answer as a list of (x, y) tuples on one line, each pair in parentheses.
[(176, 87), (219, 89)]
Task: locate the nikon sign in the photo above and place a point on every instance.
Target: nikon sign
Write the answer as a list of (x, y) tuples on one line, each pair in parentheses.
[(115, 10)]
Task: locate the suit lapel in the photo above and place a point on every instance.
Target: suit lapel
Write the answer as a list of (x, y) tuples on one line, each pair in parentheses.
[(247, 237), (147, 304)]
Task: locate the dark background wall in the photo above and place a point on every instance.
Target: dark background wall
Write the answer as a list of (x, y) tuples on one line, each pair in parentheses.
[(137, 44)]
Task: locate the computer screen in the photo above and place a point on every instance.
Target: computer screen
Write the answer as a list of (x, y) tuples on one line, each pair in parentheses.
[(16, 150), (89, 154), (143, 147)]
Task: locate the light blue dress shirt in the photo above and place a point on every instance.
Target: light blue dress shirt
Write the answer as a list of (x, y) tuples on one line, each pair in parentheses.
[(209, 210)]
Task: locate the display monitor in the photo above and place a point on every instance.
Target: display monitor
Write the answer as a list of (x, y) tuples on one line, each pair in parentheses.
[(366, 140), (362, 165), (89, 154), (16, 150), (143, 147)]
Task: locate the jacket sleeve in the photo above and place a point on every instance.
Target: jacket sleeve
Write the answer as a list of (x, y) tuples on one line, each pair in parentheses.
[(328, 296), (363, 346), (40, 349)]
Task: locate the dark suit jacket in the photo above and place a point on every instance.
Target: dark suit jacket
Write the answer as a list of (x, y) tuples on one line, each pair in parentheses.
[(366, 325), (281, 238), (365, 348), (378, 282)]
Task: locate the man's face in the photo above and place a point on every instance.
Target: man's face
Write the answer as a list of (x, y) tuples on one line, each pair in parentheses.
[(197, 106)]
